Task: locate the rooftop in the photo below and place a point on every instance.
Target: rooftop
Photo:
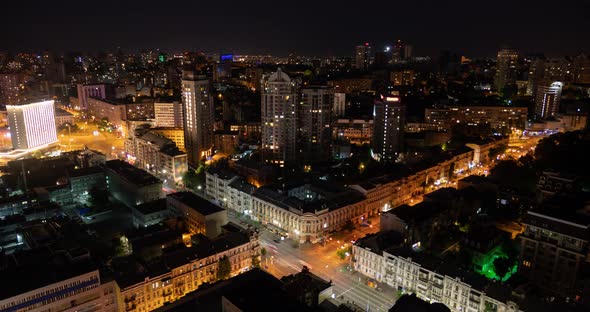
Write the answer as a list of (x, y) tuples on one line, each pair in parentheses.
[(131, 174), (32, 269), (197, 203), (151, 207), (268, 294)]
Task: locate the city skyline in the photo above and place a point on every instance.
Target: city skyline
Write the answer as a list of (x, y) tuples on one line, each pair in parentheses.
[(327, 30)]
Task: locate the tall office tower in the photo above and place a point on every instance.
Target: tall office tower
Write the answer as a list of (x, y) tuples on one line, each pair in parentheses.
[(279, 118), (198, 118), (32, 125), (168, 114), (316, 132), (547, 100), (506, 70), (388, 128), (536, 73), (11, 88), (362, 56)]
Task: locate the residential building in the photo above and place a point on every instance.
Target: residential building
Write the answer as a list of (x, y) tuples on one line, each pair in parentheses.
[(552, 183), (201, 216), (118, 111), (554, 245), (131, 185), (339, 108), (226, 141), (12, 87), (237, 294), (217, 181), (388, 133), (500, 118), (402, 77), (429, 278), (32, 125), (168, 114), (316, 113), (349, 85), (85, 92), (506, 70), (279, 118), (174, 134), (240, 196), (185, 269), (198, 118), (158, 156), (362, 56), (356, 131)]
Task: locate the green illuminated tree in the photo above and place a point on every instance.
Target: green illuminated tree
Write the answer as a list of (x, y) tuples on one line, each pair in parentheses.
[(502, 267)]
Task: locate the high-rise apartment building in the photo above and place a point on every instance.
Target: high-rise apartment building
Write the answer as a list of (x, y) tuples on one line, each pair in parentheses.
[(11, 88), (388, 133), (339, 108), (32, 125), (316, 110), (198, 118), (362, 56), (168, 114), (279, 118), (97, 91), (506, 70), (547, 100)]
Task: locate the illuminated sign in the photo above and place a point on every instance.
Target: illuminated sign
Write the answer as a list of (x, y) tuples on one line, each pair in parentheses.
[(392, 99), (227, 57)]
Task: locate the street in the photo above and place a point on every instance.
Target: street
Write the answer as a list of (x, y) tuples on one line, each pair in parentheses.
[(287, 257)]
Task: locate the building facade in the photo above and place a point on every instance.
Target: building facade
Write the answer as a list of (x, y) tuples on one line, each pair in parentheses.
[(168, 114), (198, 118), (388, 133), (32, 125), (497, 117), (131, 185), (89, 91), (279, 118), (547, 100), (316, 114), (506, 71)]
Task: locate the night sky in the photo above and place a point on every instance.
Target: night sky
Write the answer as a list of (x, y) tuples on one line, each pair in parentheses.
[(318, 27)]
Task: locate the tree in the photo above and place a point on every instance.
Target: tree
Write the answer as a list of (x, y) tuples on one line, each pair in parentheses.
[(348, 226), (263, 252), (190, 179), (255, 261), (502, 266), (344, 252), (223, 268)]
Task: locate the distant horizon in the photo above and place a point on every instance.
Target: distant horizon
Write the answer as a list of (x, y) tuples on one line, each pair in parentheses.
[(325, 28)]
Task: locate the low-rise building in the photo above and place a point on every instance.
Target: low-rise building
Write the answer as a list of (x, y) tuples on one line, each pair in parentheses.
[(131, 185), (82, 181), (182, 270), (429, 278), (226, 141), (150, 213), (41, 280), (217, 182), (201, 216), (240, 196), (63, 117)]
